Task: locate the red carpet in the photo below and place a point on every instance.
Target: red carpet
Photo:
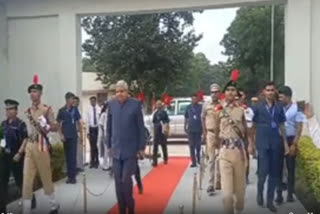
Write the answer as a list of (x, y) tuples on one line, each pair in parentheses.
[(158, 187)]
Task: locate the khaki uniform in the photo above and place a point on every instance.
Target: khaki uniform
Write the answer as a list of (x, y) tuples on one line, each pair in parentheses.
[(37, 160), (210, 114), (232, 159)]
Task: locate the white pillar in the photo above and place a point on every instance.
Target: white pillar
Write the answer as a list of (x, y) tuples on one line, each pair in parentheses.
[(70, 52), (3, 52), (315, 55), (298, 48)]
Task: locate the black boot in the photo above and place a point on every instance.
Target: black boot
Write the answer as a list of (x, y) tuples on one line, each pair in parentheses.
[(260, 199), (271, 207), (279, 199), (33, 202), (55, 211)]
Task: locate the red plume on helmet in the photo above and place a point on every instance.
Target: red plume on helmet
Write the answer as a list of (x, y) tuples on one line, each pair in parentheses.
[(200, 95), (166, 99), (35, 79), (141, 97), (234, 75)]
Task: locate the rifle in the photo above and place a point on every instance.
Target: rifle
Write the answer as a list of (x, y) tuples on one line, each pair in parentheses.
[(39, 129)]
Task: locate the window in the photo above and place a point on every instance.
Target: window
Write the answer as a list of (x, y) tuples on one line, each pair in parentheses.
[(171, 108), (182, 106)]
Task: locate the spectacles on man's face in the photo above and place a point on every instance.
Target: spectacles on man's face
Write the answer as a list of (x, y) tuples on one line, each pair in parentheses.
[(215, 92)]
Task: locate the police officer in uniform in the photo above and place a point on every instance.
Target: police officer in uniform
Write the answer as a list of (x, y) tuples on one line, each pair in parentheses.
[(160, 119), (37, 156), (231, 128), (14, 133), (208, 122)]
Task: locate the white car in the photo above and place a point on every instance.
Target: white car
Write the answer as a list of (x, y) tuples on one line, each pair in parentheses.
[(176, 113)]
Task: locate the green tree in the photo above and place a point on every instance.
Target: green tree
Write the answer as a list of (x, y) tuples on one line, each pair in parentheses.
[(150, 51), (248, 45)]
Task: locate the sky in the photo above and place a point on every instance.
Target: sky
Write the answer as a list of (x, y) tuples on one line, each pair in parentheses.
[(213, 24)]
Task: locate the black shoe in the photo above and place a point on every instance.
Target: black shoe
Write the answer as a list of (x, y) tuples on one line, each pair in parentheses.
[(106, 169), (284, 186), (271, 207), (80, 170), (193, 165), (91, 166), (290, 199), (210, 189), (68, 181), (218, 186), (73, 181), (260, 200), (55, 211), (96, 166), (33, 202), (279, 200), (165, 162), (140, 191), (154, 164)]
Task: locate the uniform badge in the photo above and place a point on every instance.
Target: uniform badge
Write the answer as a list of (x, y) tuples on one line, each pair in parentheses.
[(3, 143)]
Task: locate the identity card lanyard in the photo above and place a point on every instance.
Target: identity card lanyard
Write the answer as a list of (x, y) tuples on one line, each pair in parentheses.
[(271, 113)]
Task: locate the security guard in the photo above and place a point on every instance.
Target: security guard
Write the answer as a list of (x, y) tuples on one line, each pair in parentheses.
[(269, 118), (69, 119), (37, 156), (231, 126), (14, 133), (208, 123), (160, 120), (193, 127)]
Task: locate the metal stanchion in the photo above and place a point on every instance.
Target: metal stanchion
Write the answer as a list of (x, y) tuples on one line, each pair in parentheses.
[(85, 208), (194, 193), (181, 207), (84, 145)]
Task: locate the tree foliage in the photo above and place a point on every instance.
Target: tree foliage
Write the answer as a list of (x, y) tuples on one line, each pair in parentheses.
[(248, 45), (151, 51)]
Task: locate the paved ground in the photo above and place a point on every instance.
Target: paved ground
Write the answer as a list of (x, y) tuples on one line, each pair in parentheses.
[(70, 197)]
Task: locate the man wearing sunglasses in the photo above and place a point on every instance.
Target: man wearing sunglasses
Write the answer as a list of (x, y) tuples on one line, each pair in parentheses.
[(208, 116)]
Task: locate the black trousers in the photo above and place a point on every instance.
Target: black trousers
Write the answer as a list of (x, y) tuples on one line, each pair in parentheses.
[(137, 176), (70, 151), (8, 166), (93, 138), (291, 164), (160, 139)]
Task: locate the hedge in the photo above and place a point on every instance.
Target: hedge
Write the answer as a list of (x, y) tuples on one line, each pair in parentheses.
[(308, 173), (57, 167)]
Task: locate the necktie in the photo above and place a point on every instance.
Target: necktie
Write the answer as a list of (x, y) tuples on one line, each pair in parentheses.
[(94, 116)]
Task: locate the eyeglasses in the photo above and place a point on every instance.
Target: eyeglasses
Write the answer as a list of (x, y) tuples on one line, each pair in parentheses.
[(215, 92)]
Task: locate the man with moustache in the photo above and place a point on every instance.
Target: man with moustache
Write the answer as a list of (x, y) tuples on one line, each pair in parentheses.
[(208, 117)]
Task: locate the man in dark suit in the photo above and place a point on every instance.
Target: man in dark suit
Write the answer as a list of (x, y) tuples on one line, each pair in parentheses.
[(126, 141)]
